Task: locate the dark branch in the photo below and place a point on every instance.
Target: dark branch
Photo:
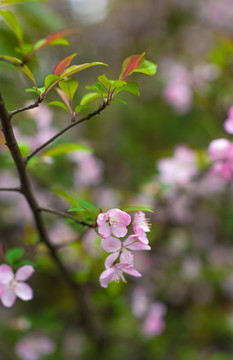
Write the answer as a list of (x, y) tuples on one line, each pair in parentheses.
[(61, 213), (32, 106), (96, 112), (11, 189)]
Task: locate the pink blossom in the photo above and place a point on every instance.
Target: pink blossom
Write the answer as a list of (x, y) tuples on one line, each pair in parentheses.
[(34, 347), (115, 273), (222, 170), (154, 323), (220, 149), (228, 124), (116, 247), (114, 222), (179, 96), (180, 168), (12, 286), (141, 226)]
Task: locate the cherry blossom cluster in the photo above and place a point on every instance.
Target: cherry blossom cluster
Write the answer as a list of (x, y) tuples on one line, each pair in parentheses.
[(221, 152), (112, 225), (13, 285)]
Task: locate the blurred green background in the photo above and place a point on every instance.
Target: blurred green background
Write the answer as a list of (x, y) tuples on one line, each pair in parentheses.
[(189, 272)]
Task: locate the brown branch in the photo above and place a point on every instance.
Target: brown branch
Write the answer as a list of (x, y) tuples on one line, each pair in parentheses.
[(79, 291), (96, 112), (61, 213), (28, 107), (11, 189)]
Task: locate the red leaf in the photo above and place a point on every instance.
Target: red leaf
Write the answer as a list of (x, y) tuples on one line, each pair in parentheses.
[(62, 65), (58, 34), (132, 65)]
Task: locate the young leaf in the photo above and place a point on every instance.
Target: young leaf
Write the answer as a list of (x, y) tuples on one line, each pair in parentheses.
[(119, 100), (75, 68), (79, 108), (104, 80), (14, 254), (146, 67), (136, 208), (84, 205), (62, 65), (59, 104), (64, 148), (65, 195), (69, 87), (130, 86), (11, 20), (130, 64), (96, 87), (89, 97), (50, 80), (20, 64)]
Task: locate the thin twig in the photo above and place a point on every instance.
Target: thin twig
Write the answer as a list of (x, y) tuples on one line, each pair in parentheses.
[(61, 213), (98, 111), (28, 107), (11, 189)]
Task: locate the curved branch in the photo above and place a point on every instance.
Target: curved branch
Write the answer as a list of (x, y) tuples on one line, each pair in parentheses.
[(31, 106), (96, 112), (61, 213)]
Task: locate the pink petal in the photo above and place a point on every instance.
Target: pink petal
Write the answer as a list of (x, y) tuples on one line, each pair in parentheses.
[(111, 244), (111, 259), (130, 239), (141, 234), (102, 218), (106, 277), (228, 125), (119, 230), (138, 246), (6, 274), (132, 272), (24, 291), (8, 298), (3, 288), (119, 216), (104, 230), (127, 257), (24, 272)]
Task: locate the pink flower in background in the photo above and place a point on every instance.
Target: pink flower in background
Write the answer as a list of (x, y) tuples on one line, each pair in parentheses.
[(12, 286), (89, 169), (221, 152), (178, 91), (228, 124), (115, 273), (34, 347), (180, 168), (154, 324), (114, 222)]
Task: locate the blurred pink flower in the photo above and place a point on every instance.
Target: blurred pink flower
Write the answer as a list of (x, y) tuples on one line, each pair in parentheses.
[(154, 324), (180, 168), (141, 226), (114, 222), (12, 286), (221, 152), (89, 170), (34, 347), (228, 124)]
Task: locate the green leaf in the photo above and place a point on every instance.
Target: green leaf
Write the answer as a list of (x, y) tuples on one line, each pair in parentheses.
[(66, 148), (24, 49), (75, 68), (59, 104), (79, 108), (146, 67), (136, 208), (50, 80), (117, 84), (11, 20), (119, 100), (20, 64), (65, 195), (14, 254), (24, 148), (130, 86), (84, 205), (96, 87), (69, 87), (105, 81), (89, 97)]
